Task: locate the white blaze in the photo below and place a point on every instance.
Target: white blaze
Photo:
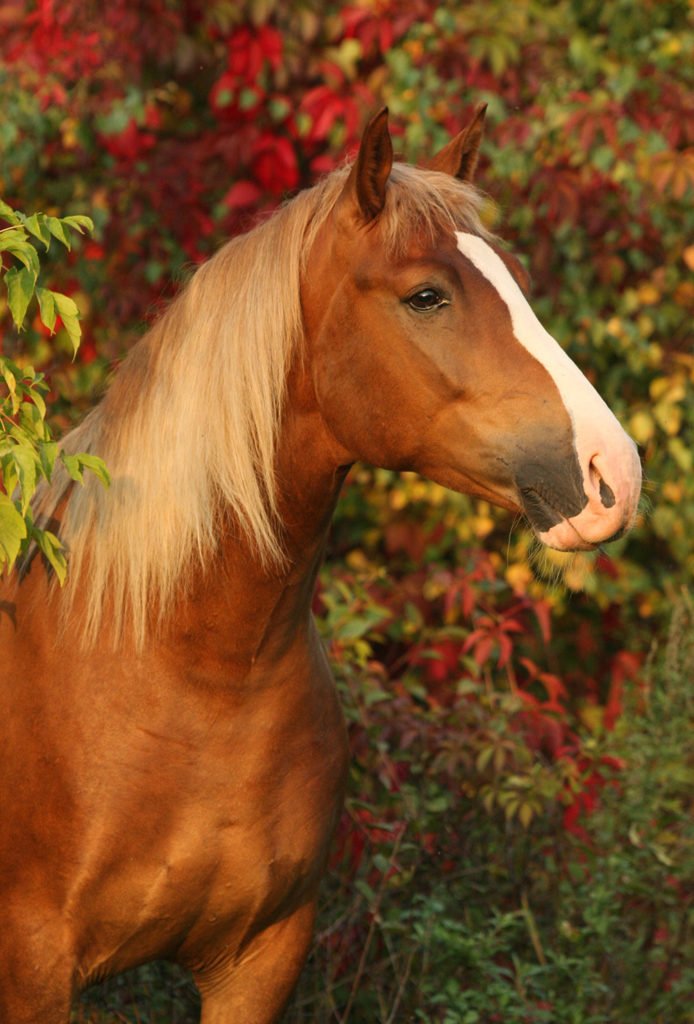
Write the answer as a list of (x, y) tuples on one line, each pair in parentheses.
[(582, 402)]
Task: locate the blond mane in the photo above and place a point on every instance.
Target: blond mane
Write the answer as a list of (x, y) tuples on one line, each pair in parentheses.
[(188, 428)]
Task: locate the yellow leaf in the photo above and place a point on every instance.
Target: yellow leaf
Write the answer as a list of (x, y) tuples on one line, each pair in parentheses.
[(673, 491), (482, 525), (642, 427), (684, 293), (635, 836), (576, 575), (648, 293), (592, 717), (658, 387), (662, 856), (645, 325), (671, 47), (525, 814), (356, 559), (668, 417), (519, 575), (615, 327)]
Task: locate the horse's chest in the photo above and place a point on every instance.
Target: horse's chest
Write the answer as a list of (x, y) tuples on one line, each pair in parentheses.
[(270, 830), (233, 829)]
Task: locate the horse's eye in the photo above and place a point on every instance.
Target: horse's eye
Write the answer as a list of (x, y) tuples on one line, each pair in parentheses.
[(426, 299)]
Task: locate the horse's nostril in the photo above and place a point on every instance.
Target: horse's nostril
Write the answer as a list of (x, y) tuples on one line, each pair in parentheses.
[(606, 494), (604, 490)]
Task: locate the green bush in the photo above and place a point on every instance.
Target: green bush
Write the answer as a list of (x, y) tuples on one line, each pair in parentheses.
[(583, 924), (27, 448)]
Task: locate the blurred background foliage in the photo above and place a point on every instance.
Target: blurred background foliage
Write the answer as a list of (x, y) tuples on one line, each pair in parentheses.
[(518, 844)]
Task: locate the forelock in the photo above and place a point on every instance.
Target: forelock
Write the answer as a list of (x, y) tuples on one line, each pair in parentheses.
[(421, 204)]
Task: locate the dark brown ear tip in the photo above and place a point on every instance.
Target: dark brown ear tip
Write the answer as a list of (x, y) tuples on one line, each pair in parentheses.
[(369, 175), (380, 117)]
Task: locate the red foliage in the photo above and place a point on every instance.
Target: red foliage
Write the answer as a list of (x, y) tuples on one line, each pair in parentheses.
[(249, 51), (584, 802), (274, 164)]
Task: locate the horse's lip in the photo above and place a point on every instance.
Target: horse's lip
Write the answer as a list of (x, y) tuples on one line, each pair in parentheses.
[(575, 542), (540, 512), (551, 517)]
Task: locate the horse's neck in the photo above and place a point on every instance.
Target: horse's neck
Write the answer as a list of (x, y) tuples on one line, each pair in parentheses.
[(242, 611)]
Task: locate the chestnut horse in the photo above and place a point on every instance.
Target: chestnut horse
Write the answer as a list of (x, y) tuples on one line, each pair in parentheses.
[(174, 755)]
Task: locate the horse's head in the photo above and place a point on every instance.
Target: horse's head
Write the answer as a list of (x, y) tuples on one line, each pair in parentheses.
[(426, 355)]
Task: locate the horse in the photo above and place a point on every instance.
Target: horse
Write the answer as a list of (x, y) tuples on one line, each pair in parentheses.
[(174, 754)]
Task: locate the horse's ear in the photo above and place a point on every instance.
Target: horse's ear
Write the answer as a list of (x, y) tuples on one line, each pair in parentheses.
[(367, 179), (459, 156)]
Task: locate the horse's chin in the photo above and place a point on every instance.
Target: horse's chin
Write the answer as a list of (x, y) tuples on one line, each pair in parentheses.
[(565, 537)]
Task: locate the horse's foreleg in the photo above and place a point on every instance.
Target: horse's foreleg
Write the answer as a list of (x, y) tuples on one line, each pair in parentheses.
[(36, 979), (254, 988), (22, 1005)]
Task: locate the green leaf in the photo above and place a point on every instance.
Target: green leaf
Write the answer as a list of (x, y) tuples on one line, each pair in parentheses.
[(366, 891), (72, 326), (72, 465), (26, 461), (53, 551), (24, 251), (36, 225), (76, 464), (69, 314), (382, 863), (47, 307), (8, 469), (20, 289), (484, 757), (37, 399), (55, 226), (12, 530), (48, 452), (8, 214), (79, 222), (12, 236), (8, 376), (31, 423), (65, 305), (97, 466)]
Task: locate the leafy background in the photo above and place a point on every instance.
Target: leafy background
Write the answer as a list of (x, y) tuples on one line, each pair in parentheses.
[(518, 842)]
